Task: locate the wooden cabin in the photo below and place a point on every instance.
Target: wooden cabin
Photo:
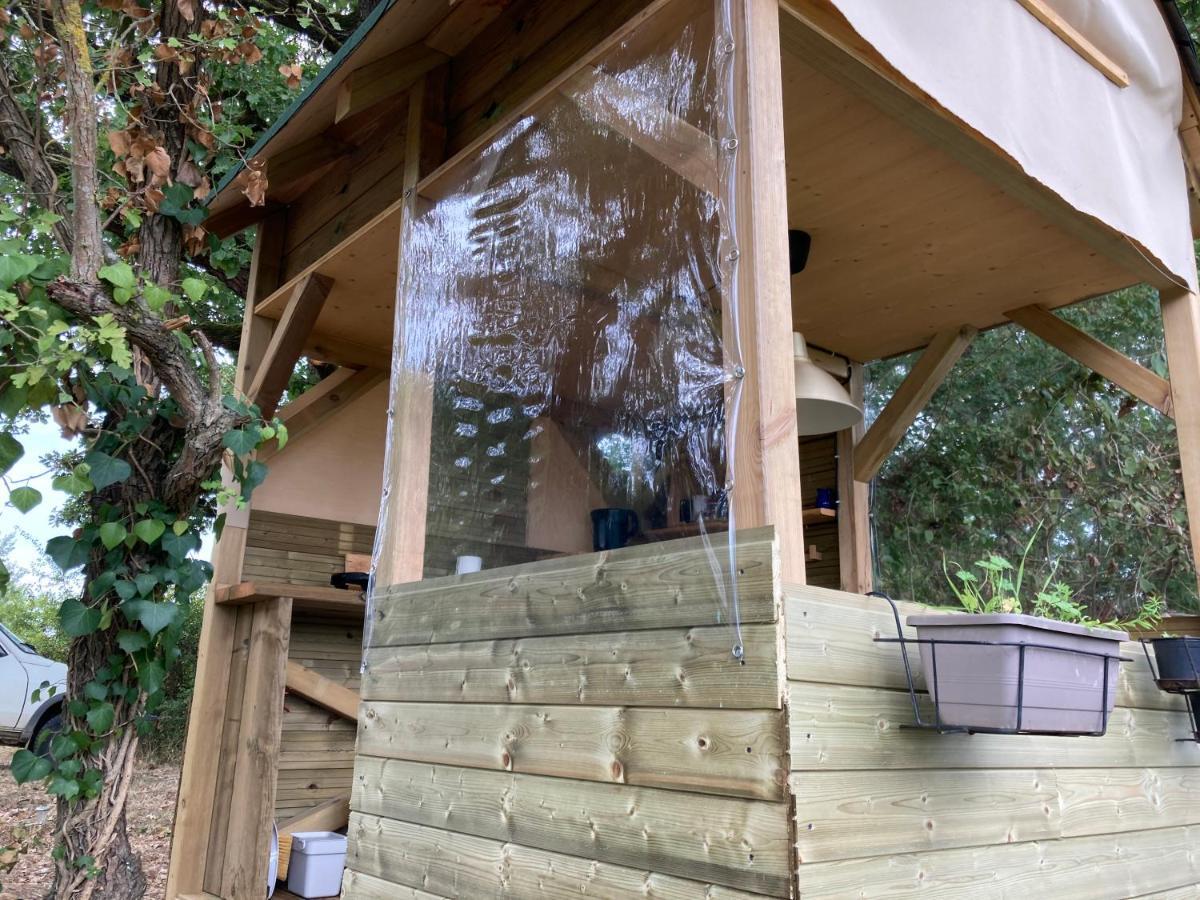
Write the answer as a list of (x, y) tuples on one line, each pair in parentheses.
[(551, 256)]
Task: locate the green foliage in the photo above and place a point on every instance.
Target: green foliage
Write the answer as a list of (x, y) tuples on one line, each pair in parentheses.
[(1020, 434), (1000, 588)]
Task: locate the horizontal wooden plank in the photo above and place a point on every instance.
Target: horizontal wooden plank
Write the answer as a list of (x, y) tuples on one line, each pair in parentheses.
[(683, 667), (835, 727), (358, 886), (459, 865), (844, 815), (736, 753), (304, 596), (1106, 867), (849, 814), (651, 586), (738, 843), (830, 639)]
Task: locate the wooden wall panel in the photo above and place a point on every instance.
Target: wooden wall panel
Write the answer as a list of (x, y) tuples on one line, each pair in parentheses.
[(650, 586), (683, 667), (897, 809), (458, 865), (819, 469), (738, 843), (556, 739)]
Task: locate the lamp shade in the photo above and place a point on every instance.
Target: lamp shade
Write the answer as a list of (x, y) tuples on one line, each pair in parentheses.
[(823, 405)]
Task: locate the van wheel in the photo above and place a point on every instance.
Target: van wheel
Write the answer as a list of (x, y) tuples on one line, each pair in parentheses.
[(46, 730)]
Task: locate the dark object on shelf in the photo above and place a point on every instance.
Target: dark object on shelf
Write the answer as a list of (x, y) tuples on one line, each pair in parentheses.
[(347, 580), (1176, 670), (1004, 691), (799, 244), (826, 498), (612, 527)]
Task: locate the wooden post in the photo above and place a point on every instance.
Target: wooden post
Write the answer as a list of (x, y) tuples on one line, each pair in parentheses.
[(854, 513), (766, 476), (406, 491), (202, 751), (1181, 328)]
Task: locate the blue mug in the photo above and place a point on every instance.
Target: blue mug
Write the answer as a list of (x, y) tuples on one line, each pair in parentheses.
[(612, 527), (826, 498)]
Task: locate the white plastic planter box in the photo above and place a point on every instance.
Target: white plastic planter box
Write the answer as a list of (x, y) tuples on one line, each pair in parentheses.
[(1059, 685), (318, 858)]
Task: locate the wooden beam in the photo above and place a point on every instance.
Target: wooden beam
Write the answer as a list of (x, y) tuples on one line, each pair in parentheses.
[(252, 806), (1095, 355), (854, 507), (1076, 41), (464, 22), (201, 758), (328, 816), (674, 142), (384, 78), (309, 597), (287, 342), (304, 162), (910, 398), (325, 692), (327, 396), (240, 216), (1181, 328), (766, 476), (824, 38), (411, 428)]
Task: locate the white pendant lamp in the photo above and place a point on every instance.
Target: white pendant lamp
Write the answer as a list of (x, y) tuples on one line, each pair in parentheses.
[(823, 405)]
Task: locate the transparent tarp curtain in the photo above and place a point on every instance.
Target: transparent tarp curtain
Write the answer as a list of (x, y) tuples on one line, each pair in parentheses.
[(566, 322)]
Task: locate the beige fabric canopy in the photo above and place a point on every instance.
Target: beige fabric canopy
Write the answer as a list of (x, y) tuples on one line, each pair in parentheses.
[(1111, 152)]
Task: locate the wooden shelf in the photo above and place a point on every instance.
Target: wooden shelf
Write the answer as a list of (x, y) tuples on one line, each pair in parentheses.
[(305, 597), (819, 515), (815, 515)]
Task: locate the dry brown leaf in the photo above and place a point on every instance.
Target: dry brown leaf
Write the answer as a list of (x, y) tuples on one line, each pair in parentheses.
[(187, 9), (195, 240), (163, 53), (26, 31), (250, 52), (159, 162), (202, 189), (130, 248), (254, 183), (118, 141), (152, 198), (188, 173), (133, 10), (292, 73), (70, 418), (5, 18), (135, 169)]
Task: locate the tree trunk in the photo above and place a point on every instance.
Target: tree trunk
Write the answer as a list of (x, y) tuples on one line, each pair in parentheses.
[(96, 828)]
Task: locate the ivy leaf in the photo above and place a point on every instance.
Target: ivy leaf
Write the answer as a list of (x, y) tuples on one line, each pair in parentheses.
[(73, 483), (67, 788), (10, 449), (25, 498), (149, 530), (67, 552), (175, 203), (150, 677), (5, 576), (119, 275), (78, 620), (241, 441), (100, 718), (256, 473), (106, 470), (146, 583), (179, 545), (27, 766), (156, 297), (194, 288), (133, 641), (94, 690), (126, 589), (156, 616), (111, 534), (16, 267)]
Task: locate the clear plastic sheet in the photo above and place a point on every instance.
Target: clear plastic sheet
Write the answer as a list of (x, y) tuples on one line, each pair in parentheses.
[(566, 323)]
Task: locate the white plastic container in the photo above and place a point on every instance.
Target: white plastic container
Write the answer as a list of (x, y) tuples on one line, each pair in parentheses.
[(318, 858)]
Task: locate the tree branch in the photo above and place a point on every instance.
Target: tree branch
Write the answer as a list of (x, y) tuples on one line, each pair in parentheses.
[(26, 160)]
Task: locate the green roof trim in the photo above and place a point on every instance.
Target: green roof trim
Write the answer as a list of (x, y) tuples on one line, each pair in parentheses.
[(352, 42)]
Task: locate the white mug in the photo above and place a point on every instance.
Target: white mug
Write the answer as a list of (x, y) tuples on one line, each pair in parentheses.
[(465, 565), (699, 506)]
